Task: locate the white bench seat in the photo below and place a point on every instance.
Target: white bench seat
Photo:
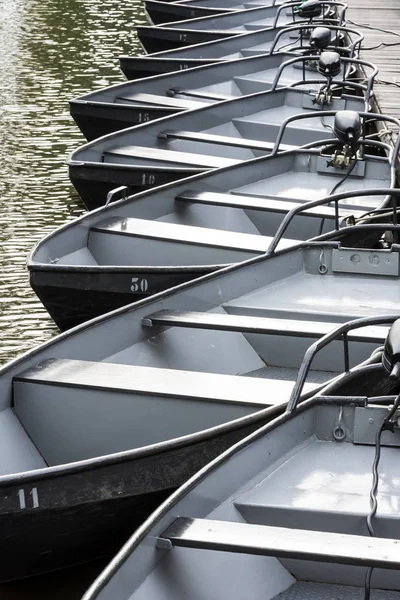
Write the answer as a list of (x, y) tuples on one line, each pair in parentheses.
[(160, 155), (189, 234)]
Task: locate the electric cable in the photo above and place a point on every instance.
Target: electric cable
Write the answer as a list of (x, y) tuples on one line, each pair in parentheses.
[(374, 488)]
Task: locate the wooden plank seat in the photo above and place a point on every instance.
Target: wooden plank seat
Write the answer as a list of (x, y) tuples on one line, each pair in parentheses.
[(270, 204), (189, 234), (167, 156), (281, 542), (221, 140), (154, 99), (258, 325), (158, 381)]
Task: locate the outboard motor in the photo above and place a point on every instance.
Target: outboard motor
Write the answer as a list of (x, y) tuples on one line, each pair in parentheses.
[(320, 38), (391, 353), (310, 9), (329, 64), (347, 126)]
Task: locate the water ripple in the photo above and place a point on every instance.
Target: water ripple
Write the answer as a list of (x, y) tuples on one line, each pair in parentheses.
[(52, 51)]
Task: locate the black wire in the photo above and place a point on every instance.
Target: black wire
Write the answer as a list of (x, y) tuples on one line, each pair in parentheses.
[(374, 28), (374, 488), (386, 44), (335, 187), (291, 44)]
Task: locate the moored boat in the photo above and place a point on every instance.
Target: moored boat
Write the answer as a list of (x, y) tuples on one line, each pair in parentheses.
[(100, 166), (117, 107), (85, 268), (305, 507), (163, 11), (297, 39), (101, 423), (203, 29)]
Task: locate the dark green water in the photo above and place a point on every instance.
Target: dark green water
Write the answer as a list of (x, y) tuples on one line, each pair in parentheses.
[(50, 51)]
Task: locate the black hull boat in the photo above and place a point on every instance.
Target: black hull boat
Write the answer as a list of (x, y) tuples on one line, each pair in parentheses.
[(131, 404), (204, 29), (101, 423), (267, 41), (124, 105), (163, 11), (304, 508), (75, 293), (113, 161), (159, 12)]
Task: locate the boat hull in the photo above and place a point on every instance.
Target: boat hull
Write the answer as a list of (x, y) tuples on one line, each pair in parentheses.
[(96, 119), (72, 297), (93, 182), (159, 14), (156, 39), (138, 67), (50, 522)]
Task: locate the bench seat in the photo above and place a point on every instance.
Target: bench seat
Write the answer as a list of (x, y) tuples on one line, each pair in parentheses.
[(282, 542), (159, 155)]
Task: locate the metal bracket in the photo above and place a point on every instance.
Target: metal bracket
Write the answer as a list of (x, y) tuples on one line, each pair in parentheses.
[(324, 166), (366, 422), (364, 261)]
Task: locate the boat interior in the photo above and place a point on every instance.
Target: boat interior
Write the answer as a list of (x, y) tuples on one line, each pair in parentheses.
[(283, 514), (170, 362), (225, 81), (213, 136), (214, 223), (250, 19), (228, 3), (259, 42)]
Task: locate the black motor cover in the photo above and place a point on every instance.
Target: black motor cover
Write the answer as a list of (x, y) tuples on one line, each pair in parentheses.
[(391, 353), (320, 38), (347, 126), (310, 9), (329, 64)]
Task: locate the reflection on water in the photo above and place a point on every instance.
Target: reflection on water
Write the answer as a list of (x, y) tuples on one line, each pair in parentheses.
[(51, 51)]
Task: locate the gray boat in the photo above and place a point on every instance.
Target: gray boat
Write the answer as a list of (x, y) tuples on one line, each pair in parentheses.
[(203, 29), (304, 508), (297, 39), (161, 12), (117, 107), (100, 166), (183, 230), (100, 424), (232, 131)]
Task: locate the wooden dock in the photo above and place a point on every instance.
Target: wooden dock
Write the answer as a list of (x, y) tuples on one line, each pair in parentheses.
[(379, 22)]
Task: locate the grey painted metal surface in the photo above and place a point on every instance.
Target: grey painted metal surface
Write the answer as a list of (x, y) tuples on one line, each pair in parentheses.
[(232, 130), (249, 44), (238, 77), (297, 479)]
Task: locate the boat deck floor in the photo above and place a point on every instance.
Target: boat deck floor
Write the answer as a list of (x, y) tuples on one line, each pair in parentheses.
[(306, 590), (324, 485), (308, 186), (307, 294)]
